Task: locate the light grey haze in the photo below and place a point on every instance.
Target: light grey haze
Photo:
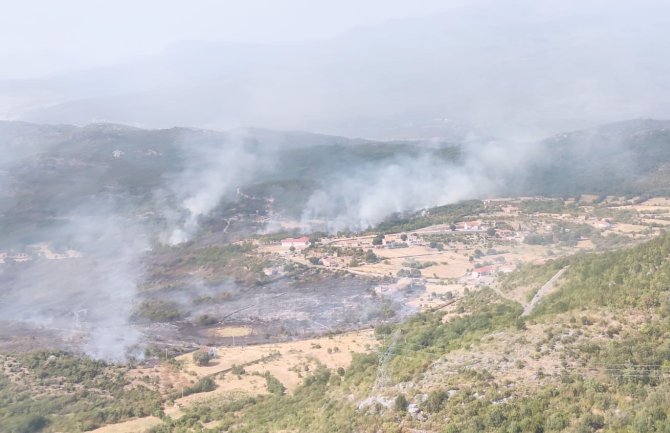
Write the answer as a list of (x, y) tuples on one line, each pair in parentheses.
[(376, 69), (486, 75)]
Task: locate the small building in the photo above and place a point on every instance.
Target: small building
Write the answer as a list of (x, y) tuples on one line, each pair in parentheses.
[(472, 225), (483, 271), (605, 223), (273, 271), (298, 243), (211, 351), (21, 257), (469, 226)]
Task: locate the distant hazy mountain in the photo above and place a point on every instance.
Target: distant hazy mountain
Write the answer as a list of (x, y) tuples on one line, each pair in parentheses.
[(623, 158), (502, 68), (178, 179), (51, 172)]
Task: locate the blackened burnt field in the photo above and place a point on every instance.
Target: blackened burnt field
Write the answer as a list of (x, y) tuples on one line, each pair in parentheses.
[(187, 297), (301, 304)]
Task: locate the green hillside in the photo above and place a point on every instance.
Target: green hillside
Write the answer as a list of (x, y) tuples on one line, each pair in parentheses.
[(610, 378)]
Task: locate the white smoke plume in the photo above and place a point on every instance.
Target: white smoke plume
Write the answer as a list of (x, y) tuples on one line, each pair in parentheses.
[(362, 199), (216, 169), (89, 298)]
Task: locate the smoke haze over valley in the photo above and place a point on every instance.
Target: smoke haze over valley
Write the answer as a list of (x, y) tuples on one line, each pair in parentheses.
[(379, 214), (141, 190)]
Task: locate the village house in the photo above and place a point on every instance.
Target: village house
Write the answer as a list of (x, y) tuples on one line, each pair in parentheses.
[(21, 257), (211, 351), (510, 210), (297, 243), (483, 271), (605, 223), (273, 271), (506, 234), (470, 226)]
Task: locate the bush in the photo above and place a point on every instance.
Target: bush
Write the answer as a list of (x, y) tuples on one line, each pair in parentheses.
[(156, 310), (401, 403), (237, 369), (205, 320), (27, 424), (435, 401), (201, 357), (274, 385)]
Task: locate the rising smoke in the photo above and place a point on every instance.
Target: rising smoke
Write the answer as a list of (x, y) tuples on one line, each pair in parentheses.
[(365, 196), (215, 170), (91, 299), (88, 299)]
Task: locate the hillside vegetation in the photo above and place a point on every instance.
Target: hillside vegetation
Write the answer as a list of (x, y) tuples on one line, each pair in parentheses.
[(608, 377)]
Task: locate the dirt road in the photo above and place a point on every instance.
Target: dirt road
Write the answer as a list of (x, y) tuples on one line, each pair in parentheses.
[(543, 291)]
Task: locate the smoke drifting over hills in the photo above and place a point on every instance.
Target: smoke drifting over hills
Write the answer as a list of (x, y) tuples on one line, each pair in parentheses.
[(365, 196), (137, 190), (88, 299), (215, 169), (457, 98)]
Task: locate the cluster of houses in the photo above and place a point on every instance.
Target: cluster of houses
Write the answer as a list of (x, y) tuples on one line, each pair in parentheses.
[(42, 250), (18, 257)]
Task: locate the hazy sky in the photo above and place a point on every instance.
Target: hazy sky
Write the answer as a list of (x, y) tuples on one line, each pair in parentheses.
[(356, 68), (40, 37)]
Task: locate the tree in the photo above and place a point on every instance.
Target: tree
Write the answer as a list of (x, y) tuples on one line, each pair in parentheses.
[(371, 257), (401, 403), (201, 357), (403, 237), (378, 240)]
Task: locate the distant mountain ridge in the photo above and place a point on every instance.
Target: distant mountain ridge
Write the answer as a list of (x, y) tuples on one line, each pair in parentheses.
[(623, 158), (48, 170)]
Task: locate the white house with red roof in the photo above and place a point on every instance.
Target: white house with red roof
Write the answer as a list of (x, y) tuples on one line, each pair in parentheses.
[(483, 271), (301, 242)]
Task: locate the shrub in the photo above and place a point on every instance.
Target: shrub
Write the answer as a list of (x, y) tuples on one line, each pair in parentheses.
[(205, 320), (201, 357), (274, 385), (435, 401), (400, 403)]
